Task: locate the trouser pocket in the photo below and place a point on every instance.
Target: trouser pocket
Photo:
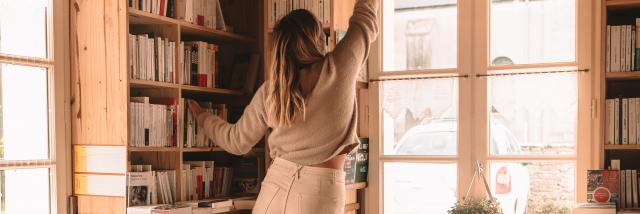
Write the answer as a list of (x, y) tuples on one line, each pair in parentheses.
[(265, 198)]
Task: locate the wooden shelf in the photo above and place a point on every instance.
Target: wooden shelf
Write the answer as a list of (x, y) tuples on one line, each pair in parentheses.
[(194, 30), (153, 149), (635, 75), (203, 149), (623, 4), (196, 89), (152, 84), (622, 147), (189, 29), (142, 17), (360, 185)]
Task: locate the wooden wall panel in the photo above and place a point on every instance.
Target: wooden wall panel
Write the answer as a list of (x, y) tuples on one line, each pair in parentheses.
[(99, 74), (101, 204)]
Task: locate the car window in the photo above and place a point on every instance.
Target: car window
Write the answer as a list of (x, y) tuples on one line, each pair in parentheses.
[(428, 143)]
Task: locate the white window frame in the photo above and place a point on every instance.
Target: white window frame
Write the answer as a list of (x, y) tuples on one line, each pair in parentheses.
[(473, 58), (57, 65)]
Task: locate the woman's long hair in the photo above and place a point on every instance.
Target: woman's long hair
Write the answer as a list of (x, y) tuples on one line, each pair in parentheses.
[(298, 42)]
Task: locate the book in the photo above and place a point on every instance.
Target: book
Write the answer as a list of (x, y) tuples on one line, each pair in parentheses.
[(609, 121), (632, 121), (362, 160), (603, 186), (594, 208), (159, 209), (246, 203), (617, 132), (625, 121), (141, 187), (321, 9)]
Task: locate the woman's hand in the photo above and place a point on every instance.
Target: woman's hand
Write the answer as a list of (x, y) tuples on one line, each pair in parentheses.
[(194, 107)]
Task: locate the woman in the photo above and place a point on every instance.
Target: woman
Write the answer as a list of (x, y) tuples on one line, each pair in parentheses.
[(309, 106)]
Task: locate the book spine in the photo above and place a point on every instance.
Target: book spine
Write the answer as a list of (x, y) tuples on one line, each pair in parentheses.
[(632, 119), (608, 50), (617, 121), (625, 121)]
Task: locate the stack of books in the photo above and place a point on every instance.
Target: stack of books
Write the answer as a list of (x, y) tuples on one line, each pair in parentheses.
[(203, 180), (622, 124), (194, 135), (622, 49), (320, 8), (206, 13), (152, 122), (199, 63), (152, 58), (146, 186), (158, 7)]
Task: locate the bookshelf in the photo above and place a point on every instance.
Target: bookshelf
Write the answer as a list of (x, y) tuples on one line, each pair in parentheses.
[(615, 84), (102, 87), (338, 20)]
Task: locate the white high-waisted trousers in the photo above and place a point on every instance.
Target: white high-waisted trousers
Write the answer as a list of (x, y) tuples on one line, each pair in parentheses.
[(290, 188)]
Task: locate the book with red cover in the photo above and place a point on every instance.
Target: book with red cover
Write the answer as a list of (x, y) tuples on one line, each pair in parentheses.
[(603, 186)]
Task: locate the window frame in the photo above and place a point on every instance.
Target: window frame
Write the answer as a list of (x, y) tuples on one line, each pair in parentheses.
[(473, 117), (57, 65)]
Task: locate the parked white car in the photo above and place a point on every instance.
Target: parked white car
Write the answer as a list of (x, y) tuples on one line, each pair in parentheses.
[(509, 182)]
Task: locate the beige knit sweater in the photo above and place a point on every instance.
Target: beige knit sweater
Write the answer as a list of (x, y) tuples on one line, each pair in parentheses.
[(329, 128)]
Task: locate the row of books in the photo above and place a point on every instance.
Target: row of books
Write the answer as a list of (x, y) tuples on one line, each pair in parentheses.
[(280, 8), (356, 165), (622, 50), (193, 133), (152, 58), (206, 13), (202, 180), (146, 186), (200, 63), (622, 124), (158, 7), (152, 122)]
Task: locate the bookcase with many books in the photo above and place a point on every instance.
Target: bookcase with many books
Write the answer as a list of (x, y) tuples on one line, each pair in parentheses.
[(135, 64), (619, 95)]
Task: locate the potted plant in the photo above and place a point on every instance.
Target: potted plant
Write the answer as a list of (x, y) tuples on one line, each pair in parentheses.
[(470, 205), (476, 206)]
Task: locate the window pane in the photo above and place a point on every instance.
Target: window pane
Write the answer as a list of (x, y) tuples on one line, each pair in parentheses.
[(23, 27), (528, 119), (534, 187), (419, 188), (25, 191), (24, 123), (420, 34), (420, 117), (529, 32)]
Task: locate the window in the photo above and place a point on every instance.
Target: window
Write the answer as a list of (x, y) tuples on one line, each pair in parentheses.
[(439, 110), (30, 79), (419, 34)]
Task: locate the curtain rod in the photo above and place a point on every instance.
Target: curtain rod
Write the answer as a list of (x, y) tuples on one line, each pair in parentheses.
[(533, 72), (480, 75)]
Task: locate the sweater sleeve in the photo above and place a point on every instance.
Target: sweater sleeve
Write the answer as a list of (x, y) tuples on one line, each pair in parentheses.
[(352, 51), (240, 137)]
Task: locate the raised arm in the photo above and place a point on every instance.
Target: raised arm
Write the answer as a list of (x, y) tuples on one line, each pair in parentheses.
[(352, 51), (240, 137)]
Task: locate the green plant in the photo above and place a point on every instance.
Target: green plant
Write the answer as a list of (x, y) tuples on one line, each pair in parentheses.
[(475, 206), (552, 208)]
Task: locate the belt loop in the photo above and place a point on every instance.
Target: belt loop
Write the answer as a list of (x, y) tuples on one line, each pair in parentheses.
[(296, 172)]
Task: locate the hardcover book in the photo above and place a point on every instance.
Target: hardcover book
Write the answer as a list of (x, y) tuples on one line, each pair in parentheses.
[(603, 186)]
